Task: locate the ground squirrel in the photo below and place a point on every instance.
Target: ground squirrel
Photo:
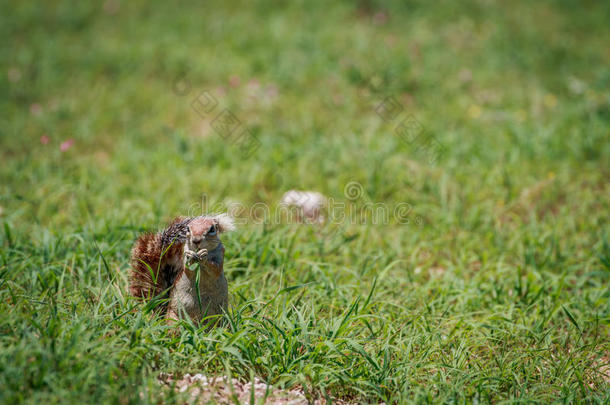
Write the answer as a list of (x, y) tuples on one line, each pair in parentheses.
[(184, 263)]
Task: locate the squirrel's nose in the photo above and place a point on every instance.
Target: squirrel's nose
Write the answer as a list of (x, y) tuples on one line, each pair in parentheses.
[(197, 240)]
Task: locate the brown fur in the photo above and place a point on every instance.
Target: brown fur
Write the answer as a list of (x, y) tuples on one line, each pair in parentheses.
[(158, 260)]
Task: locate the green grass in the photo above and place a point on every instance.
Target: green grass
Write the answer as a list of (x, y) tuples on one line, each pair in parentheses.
[(496, 290)]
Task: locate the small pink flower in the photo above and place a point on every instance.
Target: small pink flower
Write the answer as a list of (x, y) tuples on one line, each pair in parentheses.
[(252, 88), (221, 91), (380, 18), (67, 144), (271, 91), (234, 81), (35, 109), (44, 139)]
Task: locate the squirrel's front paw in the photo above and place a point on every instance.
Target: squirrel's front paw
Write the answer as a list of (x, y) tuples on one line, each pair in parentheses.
[(191, 256), (195, 257), (202, 254)]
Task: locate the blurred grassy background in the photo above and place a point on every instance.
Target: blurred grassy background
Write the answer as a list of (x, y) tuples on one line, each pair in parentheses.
[(500, 293)]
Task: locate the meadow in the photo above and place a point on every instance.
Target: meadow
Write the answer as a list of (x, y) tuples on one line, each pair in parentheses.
[(482, 127)]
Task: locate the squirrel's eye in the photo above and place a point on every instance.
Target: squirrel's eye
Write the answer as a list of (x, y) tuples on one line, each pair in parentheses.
[(212, 230)]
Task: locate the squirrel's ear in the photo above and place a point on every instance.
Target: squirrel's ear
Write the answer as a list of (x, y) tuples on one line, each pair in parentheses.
[(225, 222)]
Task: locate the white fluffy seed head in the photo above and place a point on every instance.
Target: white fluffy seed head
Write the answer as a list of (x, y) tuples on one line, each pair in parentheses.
[(310, 203)]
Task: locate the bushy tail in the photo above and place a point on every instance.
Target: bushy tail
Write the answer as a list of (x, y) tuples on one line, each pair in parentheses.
[(156, 261)]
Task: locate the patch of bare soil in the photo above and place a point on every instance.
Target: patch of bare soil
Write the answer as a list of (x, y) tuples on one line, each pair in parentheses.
[(223, 390)]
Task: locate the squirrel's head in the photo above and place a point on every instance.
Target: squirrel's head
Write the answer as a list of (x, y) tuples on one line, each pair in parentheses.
[(203, 231)]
